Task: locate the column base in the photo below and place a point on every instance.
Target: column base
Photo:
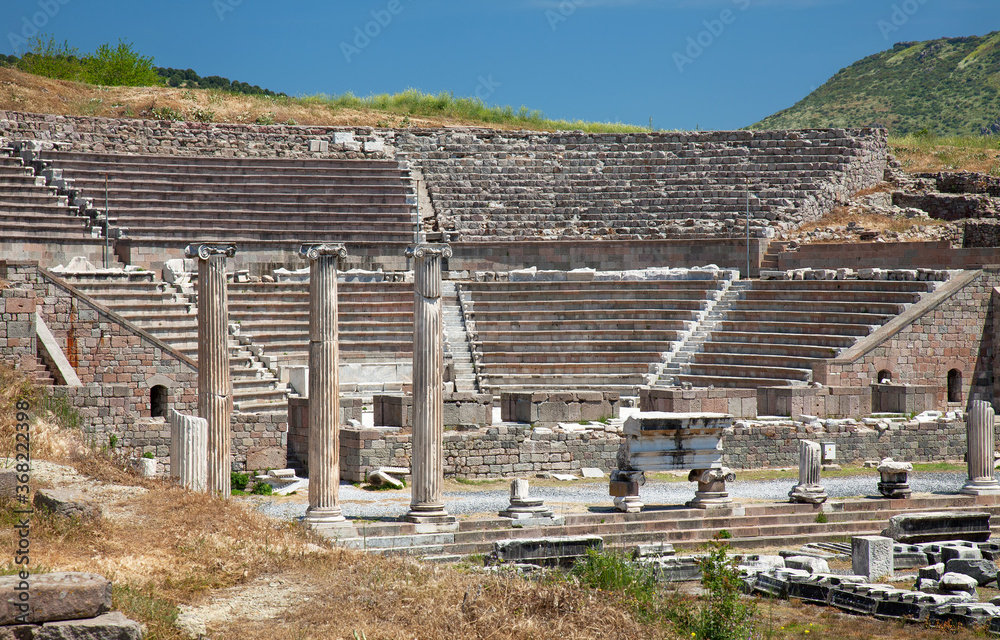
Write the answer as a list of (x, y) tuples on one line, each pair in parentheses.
[(980, 488), (894, 490), (808, 494), (429, 514), (325, 518), (710, 500), (629, 504)]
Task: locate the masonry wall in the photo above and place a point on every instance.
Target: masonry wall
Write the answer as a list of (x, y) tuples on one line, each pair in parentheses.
[(956, 334), (18, 344), (888, 255), (504, 450), (163, 137), (778, 446), (607, 255)]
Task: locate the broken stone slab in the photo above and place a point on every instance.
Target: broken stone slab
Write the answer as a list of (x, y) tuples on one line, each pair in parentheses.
[(932, 572), (807, 563), (54, 596), (65, 502), (591, 472), (908, 556), (871, 556), (559, 550), (653, 549), (949, 553), (676, 569), (379, 478), (939, 526), (107, 626), (958, 582), (755, 563), (970, 614), (982, 571)]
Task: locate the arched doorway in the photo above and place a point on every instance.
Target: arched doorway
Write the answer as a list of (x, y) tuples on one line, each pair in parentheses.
[(158, 401), (954, 385)]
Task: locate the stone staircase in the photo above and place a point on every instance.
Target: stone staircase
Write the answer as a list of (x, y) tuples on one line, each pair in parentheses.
[(38, 370), (597, 335), (753, 526), (169, 313), (30, 210), (456, 339)]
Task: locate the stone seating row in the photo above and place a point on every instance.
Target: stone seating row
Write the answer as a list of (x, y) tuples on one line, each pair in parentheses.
[(167, 197), (774, 331), (561, 335)]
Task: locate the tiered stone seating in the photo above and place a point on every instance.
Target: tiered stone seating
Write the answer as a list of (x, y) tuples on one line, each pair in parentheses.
[(777, 329), (579, 335), (651, 185), (31, 210), (375, 319), (253, 201)]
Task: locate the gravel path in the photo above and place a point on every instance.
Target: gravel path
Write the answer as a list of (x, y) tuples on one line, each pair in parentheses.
[(576, 497)]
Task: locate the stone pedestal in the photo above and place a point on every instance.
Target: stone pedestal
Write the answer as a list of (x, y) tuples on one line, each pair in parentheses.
[(189, 450), (624, 487), (215, 389), (711, 487), (324, 388), (808, 490), (871, 557), (523, 508), (980, 433), (894, 478), (427, 501)]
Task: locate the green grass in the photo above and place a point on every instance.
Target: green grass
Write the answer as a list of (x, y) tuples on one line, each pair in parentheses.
[(414, 102)]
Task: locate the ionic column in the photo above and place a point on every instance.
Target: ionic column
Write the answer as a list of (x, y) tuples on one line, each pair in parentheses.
[(215, 389), (188, 450), (808, 489), (324, 387), (979, 438), (427, 499)]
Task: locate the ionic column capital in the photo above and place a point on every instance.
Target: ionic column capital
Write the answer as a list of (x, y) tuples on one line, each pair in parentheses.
[(429, 250), (206, 250), (314, 251)]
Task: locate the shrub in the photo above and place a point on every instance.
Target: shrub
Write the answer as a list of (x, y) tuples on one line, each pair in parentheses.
[(121, 66), (238, 481), (722, 614), (148, 455), (262, 489), (46, 57)]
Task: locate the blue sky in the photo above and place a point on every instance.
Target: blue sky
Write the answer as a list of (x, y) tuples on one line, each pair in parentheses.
[(715, 64)]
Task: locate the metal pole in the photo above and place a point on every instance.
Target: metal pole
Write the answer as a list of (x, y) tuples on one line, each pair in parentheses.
[(748, 226), (107, 226)]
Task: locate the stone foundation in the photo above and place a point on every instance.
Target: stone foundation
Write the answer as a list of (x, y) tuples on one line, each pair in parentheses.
[(460, 409), (546, 408), (899, 398), (739, 403), (823, 402)]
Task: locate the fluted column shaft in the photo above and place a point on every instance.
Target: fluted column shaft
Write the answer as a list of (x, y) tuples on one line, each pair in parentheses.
[(189, 450), (215, 389), (980, 434), (324, 386), (810, 460), (427, 497)]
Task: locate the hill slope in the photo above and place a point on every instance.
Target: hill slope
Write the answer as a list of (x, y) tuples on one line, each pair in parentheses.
[(949, 86)]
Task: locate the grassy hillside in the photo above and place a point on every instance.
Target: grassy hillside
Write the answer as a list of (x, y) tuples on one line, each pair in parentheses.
[(949, 86)]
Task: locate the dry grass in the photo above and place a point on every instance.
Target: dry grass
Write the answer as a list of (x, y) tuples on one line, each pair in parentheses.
[(919, 154), (841, 216)]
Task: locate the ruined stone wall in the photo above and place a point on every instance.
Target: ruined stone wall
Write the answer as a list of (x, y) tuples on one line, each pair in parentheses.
[(493, 452), (754, 447), (18, 344), (886, 255), (163, 137), (956, 334)]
